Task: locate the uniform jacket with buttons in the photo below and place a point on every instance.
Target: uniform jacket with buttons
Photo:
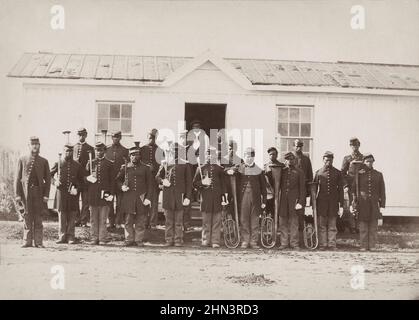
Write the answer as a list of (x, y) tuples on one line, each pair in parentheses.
[(348, 169), (304, 163), (212, 194), (329, 190), (25, 166), (268, 174), (293, 190), (71, 174), (254, 176), (180, 177), (81, 153), (104, 171), (138, 178), (372, 194), (148, 155), (117, 154)]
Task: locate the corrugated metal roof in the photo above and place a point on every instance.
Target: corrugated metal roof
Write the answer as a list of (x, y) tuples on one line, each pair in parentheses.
[(257, 71)]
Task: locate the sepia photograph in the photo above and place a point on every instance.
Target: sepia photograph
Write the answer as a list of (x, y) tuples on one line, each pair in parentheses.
[(213, 154)]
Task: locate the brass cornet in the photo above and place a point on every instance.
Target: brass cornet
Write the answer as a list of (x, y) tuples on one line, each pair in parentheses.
[(310, 231)]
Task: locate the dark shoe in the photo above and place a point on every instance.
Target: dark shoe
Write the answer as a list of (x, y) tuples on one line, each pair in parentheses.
[(215, 245), (363, 249), (296, 248), (333, 248), (94, 242), (168, 244), (72, 241), (130, 244), (283, 248), (140, 244), (60, 241), (373, 249), (254, 246), (323, 248), (26, 245), (178, 244), (205, 243), (103, 242), (39, 246)]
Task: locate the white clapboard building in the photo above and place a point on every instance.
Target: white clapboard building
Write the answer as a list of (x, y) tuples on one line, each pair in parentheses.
[(323, 103)]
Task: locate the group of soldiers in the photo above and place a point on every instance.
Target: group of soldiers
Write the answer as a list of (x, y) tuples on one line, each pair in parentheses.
[(119, 186)]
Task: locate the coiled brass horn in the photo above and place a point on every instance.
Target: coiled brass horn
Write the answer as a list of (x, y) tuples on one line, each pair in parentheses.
[(231, 231), (310, 231)]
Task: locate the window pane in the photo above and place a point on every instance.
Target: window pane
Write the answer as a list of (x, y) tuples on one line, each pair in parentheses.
[(114, 125), (283, 146), (103, 110), (282, 114), (126, 126), (294, 129), (305, 115), (294, 115), (291, 144), (283, 129), (102, 124), (115, 111), (305, 129), (126, 111)]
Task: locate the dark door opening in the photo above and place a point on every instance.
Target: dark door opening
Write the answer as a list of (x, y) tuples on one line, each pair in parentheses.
[(211, 115)]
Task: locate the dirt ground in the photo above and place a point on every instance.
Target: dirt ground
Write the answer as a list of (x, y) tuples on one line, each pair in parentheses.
[(192, 272)]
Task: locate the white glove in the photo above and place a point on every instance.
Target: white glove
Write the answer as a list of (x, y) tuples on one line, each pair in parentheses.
[(73, 191), (186, 202), (146, 202), (224, 203), (230, 172), (263, 206), (124, 188), (380, 222), (166, 183), (45, 199), (298, 206), (206, 181), (351, 209), (308, 213), (340, 212), (91, 179), (57, 183), (109, 198)]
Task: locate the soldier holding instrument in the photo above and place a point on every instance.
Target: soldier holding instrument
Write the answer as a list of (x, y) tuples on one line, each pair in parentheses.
[(135, 181), (69, 179)]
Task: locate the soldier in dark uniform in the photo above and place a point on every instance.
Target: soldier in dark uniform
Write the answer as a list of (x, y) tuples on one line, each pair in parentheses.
[(32, 184), (100, 190), (68, 183), (148, 155), (176, 178), (329, 200), (135, 181), (212, 187), (252, 198), (293, 194), (348, 171), (117, 154), (372, 197), (81, 155), (303, 162), (270, 183)]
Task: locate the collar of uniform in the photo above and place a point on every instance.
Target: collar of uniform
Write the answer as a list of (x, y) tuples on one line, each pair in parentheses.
[(101, 158), (82, 143), (355, 154), (249, 165)]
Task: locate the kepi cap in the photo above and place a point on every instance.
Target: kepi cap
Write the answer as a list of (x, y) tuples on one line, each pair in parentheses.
[(289, 156), (328, 154), (34, 139), (354, 141), (81, 130), (368, 156), (298, 143), (100, 145)]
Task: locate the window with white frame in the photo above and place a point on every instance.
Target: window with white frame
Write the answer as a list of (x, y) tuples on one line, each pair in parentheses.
[(114, 116), (295, 122)]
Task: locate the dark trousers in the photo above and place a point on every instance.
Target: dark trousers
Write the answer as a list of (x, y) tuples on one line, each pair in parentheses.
[(66, 225), (211, 227), (288, 226), (152, 211), (135, 227), (32, 223), (249, 219), (116, 216), (327, 231), (368, 233), (174, 226), (83, 214)]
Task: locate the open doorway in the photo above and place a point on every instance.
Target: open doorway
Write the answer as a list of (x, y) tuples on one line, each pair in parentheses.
[(211, 115)]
